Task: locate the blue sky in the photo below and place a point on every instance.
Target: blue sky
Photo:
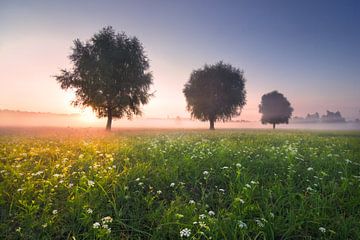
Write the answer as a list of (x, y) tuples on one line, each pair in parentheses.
[(308, 50)]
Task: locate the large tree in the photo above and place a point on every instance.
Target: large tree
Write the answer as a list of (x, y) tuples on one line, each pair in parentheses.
[(215, 92), (275, 109), (110, 74)]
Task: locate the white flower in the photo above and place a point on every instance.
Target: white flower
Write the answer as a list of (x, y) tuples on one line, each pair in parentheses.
[(89, 210), (247, 185), (55, 212), (91, 183), (159, 192), (309, 189), (202, 216), (221, 190), (96, 225), (106, 219), (71, 185), (310, 168), (259, 223), (191, 202), (238, 165), (138, 179), (225, 167), (242, 224), (205, 172), (172, 184), (44, 225), (347, 161), (185, 232), (322, 229), (272, 215), (211, 213), (18, 229), (20, 190)]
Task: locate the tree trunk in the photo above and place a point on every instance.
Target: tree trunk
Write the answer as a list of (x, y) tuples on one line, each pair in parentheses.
[(212, 124), (109, 120), (273, 125)]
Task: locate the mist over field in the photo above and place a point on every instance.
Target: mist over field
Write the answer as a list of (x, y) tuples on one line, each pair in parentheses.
[(32, 119)]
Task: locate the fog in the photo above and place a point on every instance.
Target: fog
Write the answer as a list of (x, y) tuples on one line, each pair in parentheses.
[(30, 119)]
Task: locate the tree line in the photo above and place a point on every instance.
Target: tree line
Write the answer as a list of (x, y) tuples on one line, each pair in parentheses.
[(111, 75)]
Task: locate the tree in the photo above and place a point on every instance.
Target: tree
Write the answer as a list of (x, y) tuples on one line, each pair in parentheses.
[(110, 75), (275, 109), (215, 92)]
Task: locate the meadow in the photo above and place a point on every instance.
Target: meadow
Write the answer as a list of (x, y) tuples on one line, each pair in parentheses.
[(224, 184)]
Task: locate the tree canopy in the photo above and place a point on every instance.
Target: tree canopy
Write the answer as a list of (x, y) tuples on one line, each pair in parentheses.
[(215, 92), (275, 108), (110, 74)]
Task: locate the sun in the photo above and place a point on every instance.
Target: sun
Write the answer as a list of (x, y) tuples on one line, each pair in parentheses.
[(87, 115)]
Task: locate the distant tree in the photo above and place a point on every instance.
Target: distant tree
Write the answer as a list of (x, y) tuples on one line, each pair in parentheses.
[(215, 92), (110, 75), (275, 109), (332, 117)]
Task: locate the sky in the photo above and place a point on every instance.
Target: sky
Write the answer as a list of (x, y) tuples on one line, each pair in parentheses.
[(308, 50)]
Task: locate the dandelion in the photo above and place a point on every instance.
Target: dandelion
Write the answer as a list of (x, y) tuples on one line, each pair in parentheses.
[(96, 225), (54, 212), (211, 213), (89, 211), (185, 232), (322, 229), (241, 224), (91, 183), (172, 184)]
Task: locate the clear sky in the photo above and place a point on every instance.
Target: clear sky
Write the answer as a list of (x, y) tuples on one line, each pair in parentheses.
[(308, 50)]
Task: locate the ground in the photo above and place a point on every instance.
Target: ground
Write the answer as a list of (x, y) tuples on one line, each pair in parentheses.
[(173, 184)]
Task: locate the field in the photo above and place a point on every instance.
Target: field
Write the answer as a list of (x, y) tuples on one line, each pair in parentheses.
[(180, 185)]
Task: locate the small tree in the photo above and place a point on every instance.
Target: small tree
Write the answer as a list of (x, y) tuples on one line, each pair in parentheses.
[(110, 75), (215, 92), (275, 109)]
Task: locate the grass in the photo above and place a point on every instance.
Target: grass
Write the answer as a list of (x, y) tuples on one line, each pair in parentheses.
[(172, 185)]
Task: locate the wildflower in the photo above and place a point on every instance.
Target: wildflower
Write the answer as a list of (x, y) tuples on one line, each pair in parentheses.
[(347, 161), (205, 172), (44, 225), (185, 232), (106, 219), (138, 179), (241, 224), (202, 216), (238, 165), (159, 192), (310, 168), (172, 184), (211, 213), (191, 202), (309, 189), (89, 211), (259, 223), (96, 225), (20, 190), (225, 167), (18, 229), (91, 183), (71, 185), (322, 229), (247, 185), (55, 212), (272, 215), (195, 223), (221, 190)]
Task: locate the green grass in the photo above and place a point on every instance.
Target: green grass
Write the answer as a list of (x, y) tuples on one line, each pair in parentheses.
[(218, 185)]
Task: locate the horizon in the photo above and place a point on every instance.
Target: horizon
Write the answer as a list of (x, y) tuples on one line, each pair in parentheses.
[(308, 51)]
